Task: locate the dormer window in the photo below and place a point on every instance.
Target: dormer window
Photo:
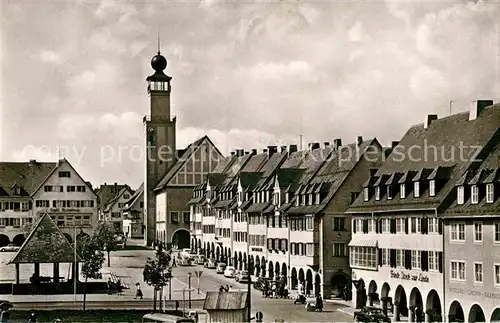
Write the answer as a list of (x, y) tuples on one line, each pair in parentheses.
[(287, 197), (432, 188), (318, 199), (267, 196), (402, 191), (489, 193), (389, 192), (366, 194), (474, 194), (303, 199), (416, 189), (248, 196), (460, 195), (377, 193), (276, 199), (297, 201), (311, 199)]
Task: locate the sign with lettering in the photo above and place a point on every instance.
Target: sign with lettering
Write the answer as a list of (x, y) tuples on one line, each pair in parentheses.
[(64, 210), (408, 276), (257, 249), (473, 293)]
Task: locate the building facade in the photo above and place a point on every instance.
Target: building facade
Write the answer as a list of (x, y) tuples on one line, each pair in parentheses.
[(133, 215), (284, 211), (114, 209), (32, 189), (397, 251), (472, 239)]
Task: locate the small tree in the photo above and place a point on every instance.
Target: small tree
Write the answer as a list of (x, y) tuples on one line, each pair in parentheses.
[(27, 227), (158, 272), (107, 239), (92, 257)]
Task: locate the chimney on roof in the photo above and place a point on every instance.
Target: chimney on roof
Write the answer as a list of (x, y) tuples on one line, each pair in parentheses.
[(337, 143), (394, 144), (32, 162), (116, 187), (272, 150), (247, 152), (327, 144), (240, 152), (283, 149), (429, 119), (264, 151), (360, 140), (373, 171), (292, 149), (254, 152), (233, 153), (476, 107)]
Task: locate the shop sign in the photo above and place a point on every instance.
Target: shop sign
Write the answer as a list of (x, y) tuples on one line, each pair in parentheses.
[(473, 293), (64, 210), (408, 276)]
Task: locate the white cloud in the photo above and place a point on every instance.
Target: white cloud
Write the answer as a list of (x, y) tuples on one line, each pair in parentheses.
[(50, 57), (357, 33), (279, 71)]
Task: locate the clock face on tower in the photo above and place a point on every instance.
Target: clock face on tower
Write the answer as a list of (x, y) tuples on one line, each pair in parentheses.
[(151, 130)]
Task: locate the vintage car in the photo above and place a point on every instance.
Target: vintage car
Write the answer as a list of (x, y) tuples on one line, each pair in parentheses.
[(221, 267), (371, 314), (9, 248), (230, 272), (242, 277), (200, 259)]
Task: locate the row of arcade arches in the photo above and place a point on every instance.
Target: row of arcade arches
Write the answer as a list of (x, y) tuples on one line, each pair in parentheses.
[(17, 240), (262, 267)]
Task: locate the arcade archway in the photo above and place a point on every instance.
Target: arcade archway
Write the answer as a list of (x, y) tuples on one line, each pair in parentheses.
[(4, 240), (19, 240), (401, 306), (294, 278), (456, 312), (68, 237), (433, 305), (317, 284), (476, 314), (495, 316), (181, 238), (309, 282), (339, 282), (372, 293), (284, 272), (257, 266), (277, 269), (416, 301), (271, 270), (302, 277)]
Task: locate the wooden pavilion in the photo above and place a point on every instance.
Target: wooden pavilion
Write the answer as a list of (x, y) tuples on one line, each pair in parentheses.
[(46, 244)]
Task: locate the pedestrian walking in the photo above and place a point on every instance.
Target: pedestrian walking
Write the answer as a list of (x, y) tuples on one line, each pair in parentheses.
[(138, 293), (173, 262), (119, 287), (319, 303), (110, 286), (418, 314)]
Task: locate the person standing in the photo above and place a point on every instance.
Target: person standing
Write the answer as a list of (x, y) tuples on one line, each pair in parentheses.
[(418, 314), (110, 285), (138, 293), (319, 303)]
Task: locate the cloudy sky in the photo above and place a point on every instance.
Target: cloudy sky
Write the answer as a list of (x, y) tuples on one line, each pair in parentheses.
[(248, 75)]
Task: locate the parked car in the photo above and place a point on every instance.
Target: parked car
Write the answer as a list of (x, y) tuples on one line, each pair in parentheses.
[(371, 314), (186, 252), (185, 261), (230, 272), (221, 267), (9, 248), (242, 277), (200, 259), (210, 264)]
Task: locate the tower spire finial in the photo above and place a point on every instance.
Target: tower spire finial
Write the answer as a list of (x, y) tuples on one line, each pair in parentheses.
[(158, 39)]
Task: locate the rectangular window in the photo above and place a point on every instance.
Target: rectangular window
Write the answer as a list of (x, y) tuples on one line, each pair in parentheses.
[(359, 225), (338, 224), (460, 195), (400, 225), (365, 257), (496, 232), (370, 225), (174, 217), (70, 188), (496, 271), (478, 232), (47, 188), (64, 174), (81, 188), (400, 258), (416, 258), (474, 194), (185, 217), (310, 223), (389, 192), (433, 260), (366, 194), (402, 191), (416, 189), (433, 226), (339, 250), (489, 193), (478, 273), (457, 232), (377, 193), (432, 188), (310, 250), (386, 225), (416, 225), (457, 270), (385, 257)]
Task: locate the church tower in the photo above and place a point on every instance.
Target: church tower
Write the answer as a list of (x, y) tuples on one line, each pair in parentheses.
[(159, 129)]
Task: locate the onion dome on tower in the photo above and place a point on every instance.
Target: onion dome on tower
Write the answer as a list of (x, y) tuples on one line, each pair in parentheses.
[(159, 81)]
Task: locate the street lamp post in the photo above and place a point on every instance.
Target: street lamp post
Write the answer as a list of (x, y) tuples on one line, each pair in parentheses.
[(75, 272), (250, 270), (189, 287)]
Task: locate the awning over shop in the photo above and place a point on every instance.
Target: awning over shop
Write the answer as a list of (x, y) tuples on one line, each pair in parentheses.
[(358, 241)]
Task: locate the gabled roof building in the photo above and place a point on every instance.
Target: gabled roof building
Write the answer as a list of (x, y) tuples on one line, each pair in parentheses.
[(396, 251)]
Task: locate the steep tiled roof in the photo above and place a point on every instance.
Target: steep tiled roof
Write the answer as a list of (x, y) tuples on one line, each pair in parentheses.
[(255, 163), (232, 171), (113, 201), (108, 192), (439, 146), (45, 244), (249, 178), (28, 176), (136, 196), (183, 158), (271, 166), (225, 301)]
